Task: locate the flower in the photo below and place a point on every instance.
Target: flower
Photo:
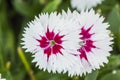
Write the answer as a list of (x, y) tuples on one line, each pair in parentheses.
[(94, 42), (84, 4), (53, 40), (1, 78)]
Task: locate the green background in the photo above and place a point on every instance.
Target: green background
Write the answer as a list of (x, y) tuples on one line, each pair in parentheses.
[(16, 65)]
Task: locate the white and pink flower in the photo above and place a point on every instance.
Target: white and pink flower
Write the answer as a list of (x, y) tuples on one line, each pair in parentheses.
[(84, 4), (71, 42), (94, 42), (53, 40)]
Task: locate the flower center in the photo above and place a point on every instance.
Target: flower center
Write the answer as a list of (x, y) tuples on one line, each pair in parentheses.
[(52, 43), (87, 43), (82, 43)]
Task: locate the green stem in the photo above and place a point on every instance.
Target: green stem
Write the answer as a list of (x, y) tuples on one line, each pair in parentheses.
[(26, 64)]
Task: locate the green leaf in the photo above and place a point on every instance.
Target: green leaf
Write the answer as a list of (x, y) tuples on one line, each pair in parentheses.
[(114, 61), (27, 7), (92, 76), (115, 75), (106, 6), (9, 76), (50, 76), (6, 35), (52, 6), (114, 19)]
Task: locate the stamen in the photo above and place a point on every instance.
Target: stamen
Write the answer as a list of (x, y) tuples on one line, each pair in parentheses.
[(82, 43), (52, 43)]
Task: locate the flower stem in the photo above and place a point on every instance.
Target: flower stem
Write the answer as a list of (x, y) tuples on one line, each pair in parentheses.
[(26, 64)]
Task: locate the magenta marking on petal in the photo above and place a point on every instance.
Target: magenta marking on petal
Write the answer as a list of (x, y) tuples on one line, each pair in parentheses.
[(51, 43), (57, 48), (58, 38), (48, 51), (85, 33), (88, 43), (43, 42), (50, 35), (83, 53)]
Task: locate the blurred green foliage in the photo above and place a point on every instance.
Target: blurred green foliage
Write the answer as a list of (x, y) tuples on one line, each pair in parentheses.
[(15, 14)]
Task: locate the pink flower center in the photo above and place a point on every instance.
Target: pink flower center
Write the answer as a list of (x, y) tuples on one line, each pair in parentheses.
[(51, 43), (87, 43)]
